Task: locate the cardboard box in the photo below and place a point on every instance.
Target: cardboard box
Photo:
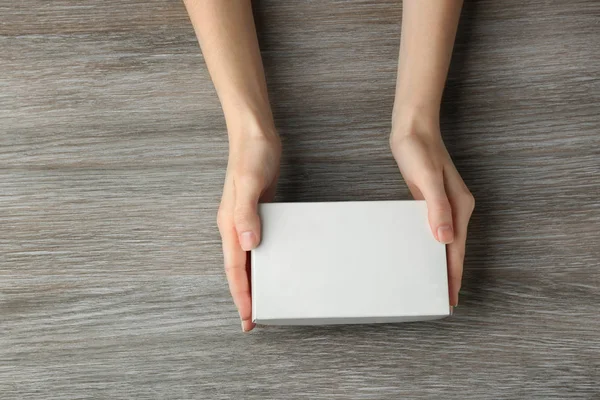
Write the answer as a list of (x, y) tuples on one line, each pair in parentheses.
[(347, 262)]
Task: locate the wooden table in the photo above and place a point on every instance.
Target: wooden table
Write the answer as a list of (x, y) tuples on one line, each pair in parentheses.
[(112, 157)]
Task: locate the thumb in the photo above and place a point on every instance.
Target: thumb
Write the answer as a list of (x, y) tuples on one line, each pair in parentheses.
[(439, 209), (245, 213)]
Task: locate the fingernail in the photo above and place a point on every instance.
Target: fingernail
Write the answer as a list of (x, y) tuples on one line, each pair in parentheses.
[(247, 241), (445, 234), (451, 310), (243, 328)]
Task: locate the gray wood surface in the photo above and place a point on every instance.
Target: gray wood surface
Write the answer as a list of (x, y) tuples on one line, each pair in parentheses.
[(112, 156)]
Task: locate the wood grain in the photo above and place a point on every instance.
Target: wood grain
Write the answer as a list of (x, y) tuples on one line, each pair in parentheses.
[(112, 156)]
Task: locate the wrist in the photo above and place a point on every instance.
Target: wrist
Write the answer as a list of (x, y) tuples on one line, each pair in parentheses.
[(247, 122), (415, 120)]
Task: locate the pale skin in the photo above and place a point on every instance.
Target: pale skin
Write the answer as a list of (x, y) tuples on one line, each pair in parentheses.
[(227, 36)]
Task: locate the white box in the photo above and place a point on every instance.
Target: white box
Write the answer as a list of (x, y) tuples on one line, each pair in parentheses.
[(347, 262)]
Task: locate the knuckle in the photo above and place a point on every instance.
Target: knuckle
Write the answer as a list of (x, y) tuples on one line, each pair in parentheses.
[(231, 266), (243, 213), (459, 257), (468, 200), (221, 217), (236, 293)]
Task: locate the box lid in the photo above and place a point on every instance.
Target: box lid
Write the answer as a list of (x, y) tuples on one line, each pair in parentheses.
[(347, 262)]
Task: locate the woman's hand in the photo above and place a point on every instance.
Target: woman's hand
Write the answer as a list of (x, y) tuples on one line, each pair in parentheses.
[(252, 172), (227, 36), (430, 175), (428, 32)]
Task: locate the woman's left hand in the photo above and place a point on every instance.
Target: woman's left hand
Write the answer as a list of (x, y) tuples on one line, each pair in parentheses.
[(431, 175)]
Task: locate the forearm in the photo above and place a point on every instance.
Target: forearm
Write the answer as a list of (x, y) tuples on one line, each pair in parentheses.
[(227, 37), (428, 33)]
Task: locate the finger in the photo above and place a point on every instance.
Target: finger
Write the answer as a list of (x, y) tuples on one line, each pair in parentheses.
[(236, 271), (247, 324), (462, 205), (235, 259), (438, 207), (247, 222), (456, 255)]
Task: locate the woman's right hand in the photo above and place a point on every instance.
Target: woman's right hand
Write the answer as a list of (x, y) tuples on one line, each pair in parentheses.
[(252, 172), (227, 36)]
